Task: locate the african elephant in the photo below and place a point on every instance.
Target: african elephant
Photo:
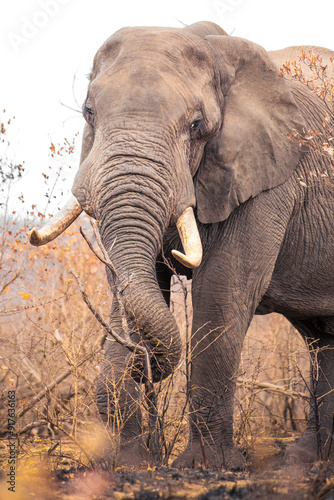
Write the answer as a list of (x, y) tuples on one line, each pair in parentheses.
[(193, 136)]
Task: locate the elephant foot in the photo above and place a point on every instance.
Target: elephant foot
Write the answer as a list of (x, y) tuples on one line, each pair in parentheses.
[(213, 457), (134, 454), (308, 450)]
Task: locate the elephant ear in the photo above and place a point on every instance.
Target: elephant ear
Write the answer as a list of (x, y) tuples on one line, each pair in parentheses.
[(253, 150)]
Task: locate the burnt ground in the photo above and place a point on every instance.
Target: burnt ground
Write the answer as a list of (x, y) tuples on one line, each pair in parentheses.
[(169, 484), (265, 478)]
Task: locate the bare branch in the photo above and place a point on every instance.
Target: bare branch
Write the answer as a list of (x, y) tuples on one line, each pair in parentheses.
[(271, 388)]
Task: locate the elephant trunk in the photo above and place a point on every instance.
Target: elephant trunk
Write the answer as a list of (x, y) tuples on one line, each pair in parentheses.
[(133, 215), (149, 318)]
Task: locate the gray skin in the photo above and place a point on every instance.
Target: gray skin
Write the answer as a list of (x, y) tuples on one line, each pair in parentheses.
[(193, 117)]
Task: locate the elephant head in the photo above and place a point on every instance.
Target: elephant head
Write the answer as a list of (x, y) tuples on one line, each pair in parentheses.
[(176, 119)]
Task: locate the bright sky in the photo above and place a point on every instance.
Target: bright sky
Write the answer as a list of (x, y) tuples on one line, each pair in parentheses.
[(45, 44)]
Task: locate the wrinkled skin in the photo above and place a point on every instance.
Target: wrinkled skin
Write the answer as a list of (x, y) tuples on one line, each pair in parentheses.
[(192, 117)]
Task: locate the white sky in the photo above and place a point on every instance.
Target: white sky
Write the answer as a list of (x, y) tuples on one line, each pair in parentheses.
[(45, 43)]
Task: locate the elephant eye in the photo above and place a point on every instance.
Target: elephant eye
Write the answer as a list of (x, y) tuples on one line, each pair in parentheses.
[(196, 124), (195, 128), (88, 115)]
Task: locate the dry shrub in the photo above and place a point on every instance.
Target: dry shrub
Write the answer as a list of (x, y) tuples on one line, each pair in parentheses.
[(50, 343), (274, 353)]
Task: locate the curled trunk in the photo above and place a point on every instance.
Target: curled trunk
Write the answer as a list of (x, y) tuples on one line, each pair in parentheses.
[(151, 320)]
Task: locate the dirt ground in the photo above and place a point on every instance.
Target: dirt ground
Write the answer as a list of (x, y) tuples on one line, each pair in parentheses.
[(168, 484), (265, 478)]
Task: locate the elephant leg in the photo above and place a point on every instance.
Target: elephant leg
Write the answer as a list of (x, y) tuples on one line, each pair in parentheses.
[(317, 441), (220, 320), (216, 351), (119, 405)]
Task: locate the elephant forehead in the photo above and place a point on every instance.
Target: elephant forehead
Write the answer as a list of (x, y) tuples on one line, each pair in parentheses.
[(141, 88), (134, 82), (171, 47)]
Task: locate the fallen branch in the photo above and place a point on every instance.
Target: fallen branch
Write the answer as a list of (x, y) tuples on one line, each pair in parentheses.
[(33, 425), (271, 388)]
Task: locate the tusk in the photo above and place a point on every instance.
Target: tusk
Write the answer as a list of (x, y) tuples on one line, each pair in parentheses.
[(191, 241), (57, 224)]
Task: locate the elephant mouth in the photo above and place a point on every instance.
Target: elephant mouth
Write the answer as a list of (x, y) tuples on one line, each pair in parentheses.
[(186, 225)]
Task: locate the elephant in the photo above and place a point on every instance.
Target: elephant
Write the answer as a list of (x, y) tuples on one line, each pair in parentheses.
[(195, 149)]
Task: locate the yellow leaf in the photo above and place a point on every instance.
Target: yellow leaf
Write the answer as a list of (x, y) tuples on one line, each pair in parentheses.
[(24, 295), (66, 249)]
